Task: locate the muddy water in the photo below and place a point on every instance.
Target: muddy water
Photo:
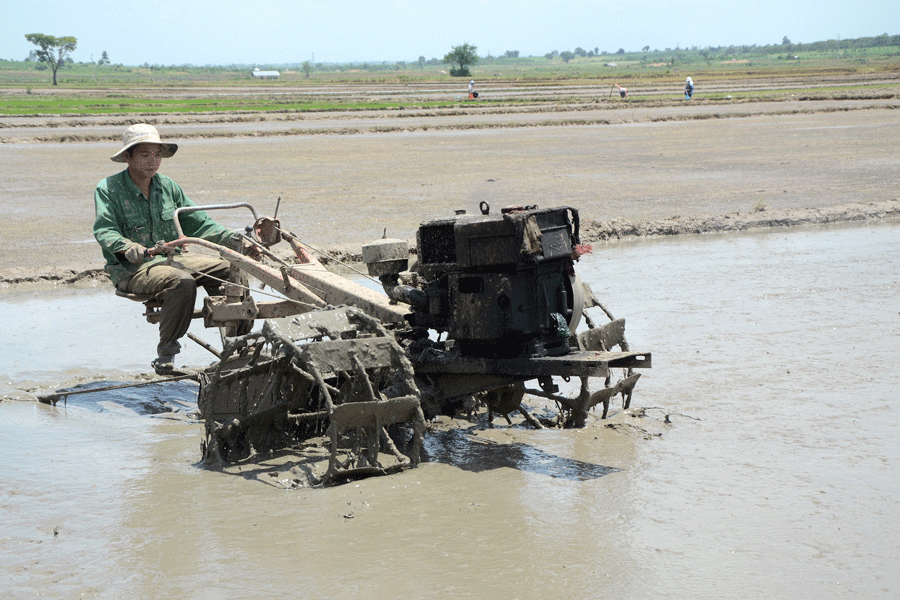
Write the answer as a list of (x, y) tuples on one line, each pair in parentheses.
[(774, 356)]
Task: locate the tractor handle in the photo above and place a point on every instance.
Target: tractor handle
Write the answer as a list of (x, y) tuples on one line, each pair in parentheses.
[(159, 248), (188, 209)]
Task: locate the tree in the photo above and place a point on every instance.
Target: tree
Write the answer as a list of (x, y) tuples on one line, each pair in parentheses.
[(52, 50), (306, 67), (422, 62), (511, 54), (785, 41), (460, 58), (104, 59), (566, 56)]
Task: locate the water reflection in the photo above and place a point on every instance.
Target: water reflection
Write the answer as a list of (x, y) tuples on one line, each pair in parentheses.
[(461, 449), (176, 396)]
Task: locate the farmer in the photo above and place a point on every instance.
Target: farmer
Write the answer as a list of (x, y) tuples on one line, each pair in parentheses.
[(688, 89), (472, 93), (134, 209)]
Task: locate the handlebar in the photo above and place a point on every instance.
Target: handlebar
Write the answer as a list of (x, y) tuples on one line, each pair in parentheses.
[(189, 209), (160, 248)]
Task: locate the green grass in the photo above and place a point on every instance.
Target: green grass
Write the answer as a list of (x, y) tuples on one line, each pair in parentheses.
[(75, 105)]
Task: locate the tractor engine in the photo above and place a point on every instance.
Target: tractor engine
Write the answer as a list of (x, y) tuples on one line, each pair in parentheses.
[(499, 286)]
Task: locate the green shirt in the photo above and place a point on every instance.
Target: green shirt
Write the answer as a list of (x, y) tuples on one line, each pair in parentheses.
[(124, 216)]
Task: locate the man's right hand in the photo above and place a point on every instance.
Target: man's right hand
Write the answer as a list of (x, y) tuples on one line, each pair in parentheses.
[(135, 253)]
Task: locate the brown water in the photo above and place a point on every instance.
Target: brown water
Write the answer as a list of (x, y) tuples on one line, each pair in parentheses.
[(774, 355)]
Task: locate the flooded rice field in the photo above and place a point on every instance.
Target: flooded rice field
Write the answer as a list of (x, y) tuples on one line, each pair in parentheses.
[(761, 460)]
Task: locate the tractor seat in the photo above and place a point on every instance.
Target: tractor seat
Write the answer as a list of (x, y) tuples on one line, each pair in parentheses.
[(137, 297), (151, 302)]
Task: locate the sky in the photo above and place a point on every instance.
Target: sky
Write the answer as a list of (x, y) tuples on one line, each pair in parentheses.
[(225, 32)]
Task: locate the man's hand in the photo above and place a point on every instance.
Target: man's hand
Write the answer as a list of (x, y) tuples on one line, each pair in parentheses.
[(135, 253), (245, 246), (250, 250)]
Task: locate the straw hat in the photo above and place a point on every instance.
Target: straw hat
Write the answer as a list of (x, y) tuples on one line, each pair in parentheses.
[(142, 133)]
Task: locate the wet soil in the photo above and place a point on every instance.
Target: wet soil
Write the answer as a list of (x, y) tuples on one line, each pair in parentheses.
[(759, 457)]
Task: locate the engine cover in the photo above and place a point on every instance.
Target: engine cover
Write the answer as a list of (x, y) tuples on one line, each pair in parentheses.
[(501, 285)]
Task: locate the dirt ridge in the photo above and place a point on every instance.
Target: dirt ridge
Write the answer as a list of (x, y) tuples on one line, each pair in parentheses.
[(620, 228), (406, 128)]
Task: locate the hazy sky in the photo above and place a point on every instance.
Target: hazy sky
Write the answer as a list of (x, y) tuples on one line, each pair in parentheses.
[(226, 32)]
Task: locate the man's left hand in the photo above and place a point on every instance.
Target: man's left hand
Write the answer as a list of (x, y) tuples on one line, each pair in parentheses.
[(135, 253)]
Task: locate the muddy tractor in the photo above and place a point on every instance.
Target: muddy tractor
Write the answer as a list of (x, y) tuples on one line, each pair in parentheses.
[(484, 310)]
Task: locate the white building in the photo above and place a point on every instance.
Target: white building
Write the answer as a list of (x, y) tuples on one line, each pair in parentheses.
[(257, 74)]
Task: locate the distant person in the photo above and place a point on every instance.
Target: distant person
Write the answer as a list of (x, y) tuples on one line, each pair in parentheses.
[(472, 93), (134, 209), (688, 89), (623, 92)]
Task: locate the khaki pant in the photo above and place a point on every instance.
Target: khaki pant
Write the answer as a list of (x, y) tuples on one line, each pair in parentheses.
[(177, 290)]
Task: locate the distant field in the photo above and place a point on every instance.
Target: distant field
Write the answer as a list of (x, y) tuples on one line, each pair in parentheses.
[(727, 74), (122, 103), (73, 104)]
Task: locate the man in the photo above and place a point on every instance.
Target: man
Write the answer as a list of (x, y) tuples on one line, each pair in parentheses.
[(134, 210)]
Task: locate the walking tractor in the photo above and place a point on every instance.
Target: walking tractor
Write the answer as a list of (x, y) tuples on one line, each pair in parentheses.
[(486, 314)]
